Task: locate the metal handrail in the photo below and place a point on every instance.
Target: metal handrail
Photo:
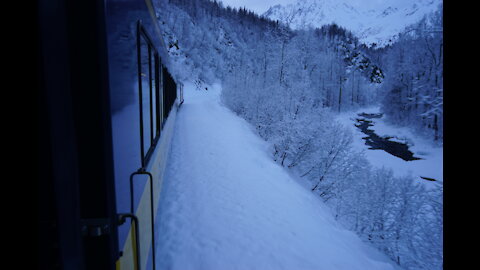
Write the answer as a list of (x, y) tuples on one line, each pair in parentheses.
[(152, 214), (121, 220)]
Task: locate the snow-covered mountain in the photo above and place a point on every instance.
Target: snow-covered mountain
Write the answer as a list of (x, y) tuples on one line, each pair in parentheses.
[(372, 21)]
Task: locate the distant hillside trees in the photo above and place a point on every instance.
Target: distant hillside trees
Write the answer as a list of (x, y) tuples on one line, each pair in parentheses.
[(414, 83)]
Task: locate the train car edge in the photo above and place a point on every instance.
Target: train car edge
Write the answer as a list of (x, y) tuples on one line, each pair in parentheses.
[(80, 204)]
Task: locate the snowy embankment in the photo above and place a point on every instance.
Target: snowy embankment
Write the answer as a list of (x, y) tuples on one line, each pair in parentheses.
[(430, 164), (226, 205)]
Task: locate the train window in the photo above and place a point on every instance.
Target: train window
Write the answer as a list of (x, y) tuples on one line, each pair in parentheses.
[(169, 91), (148, 70), (157, 93), (144, 93)]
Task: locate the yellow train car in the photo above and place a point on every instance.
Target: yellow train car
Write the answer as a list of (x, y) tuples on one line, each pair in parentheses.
[(107, 108)]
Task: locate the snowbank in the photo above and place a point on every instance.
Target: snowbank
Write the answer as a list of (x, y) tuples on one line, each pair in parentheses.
[(226, 205)]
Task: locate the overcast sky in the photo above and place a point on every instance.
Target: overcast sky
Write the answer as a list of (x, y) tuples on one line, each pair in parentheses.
[(258, 6)]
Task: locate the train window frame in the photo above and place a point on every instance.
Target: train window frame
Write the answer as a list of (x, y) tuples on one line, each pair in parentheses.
[(165, 87), (156, 99)]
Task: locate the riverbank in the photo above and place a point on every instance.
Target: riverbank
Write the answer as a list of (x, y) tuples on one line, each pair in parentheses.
[(428, 166)]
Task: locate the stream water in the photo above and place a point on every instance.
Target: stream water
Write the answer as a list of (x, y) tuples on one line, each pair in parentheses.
[(384, 143)]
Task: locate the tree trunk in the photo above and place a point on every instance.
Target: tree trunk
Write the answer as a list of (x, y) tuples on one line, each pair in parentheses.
[(281, 67), (340, 97), (353, 88)]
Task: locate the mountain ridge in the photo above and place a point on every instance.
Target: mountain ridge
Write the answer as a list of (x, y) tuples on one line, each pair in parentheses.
[(372, 21)]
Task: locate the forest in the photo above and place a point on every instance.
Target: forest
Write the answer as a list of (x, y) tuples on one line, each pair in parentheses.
[(290, 84)]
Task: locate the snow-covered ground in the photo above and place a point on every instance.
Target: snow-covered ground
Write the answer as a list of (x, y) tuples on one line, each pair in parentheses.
[(226, 205), (430, 165)]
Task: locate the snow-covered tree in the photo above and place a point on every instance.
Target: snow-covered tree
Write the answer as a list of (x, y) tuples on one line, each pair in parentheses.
[(414, 82)]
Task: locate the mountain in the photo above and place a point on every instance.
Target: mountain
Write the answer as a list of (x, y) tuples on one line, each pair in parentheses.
[(372, 21)]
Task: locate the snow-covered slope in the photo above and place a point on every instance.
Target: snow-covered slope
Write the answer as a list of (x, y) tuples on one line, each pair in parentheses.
[(226, 205), (372, 21)]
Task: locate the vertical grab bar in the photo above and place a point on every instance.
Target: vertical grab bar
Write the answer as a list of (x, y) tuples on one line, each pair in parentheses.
[(121, 219), (142, 171)]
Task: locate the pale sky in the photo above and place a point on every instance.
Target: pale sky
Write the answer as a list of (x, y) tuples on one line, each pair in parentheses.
[(258, 6)]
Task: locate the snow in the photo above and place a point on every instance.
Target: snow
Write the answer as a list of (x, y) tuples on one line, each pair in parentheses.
[(226, 205), (372, 21), (430, 165)]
